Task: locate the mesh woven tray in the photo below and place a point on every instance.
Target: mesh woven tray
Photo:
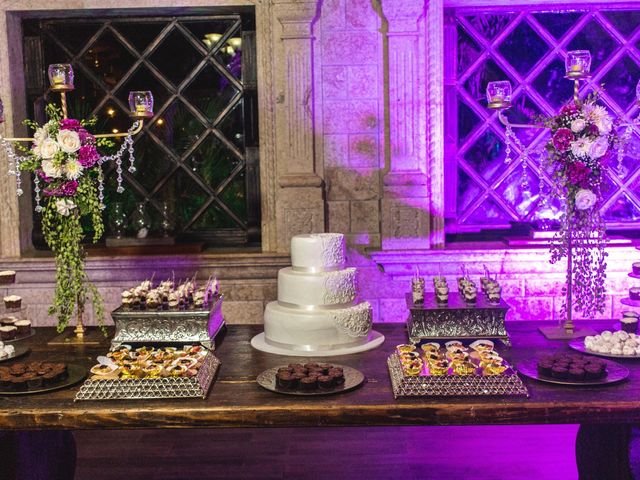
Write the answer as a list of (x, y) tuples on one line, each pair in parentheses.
[(145, 389), (452, 385)]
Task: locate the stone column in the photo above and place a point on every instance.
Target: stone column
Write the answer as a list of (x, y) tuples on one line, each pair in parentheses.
[(406, 187), (299, 193)]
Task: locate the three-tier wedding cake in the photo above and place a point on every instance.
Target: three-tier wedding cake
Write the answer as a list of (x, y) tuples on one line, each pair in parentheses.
[(317, 313)]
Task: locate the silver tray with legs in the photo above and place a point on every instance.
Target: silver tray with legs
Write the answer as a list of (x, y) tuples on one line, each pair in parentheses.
[(152, 388), (189, 326), (506, 384)]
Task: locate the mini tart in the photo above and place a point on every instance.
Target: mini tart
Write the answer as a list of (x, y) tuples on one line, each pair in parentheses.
[(464, 368), (187, 362), (7, 276), (439, 368), (153, 370), (453, 344), (482, 345), (177, 370), (430, 347), (405, 348), (103, 370)]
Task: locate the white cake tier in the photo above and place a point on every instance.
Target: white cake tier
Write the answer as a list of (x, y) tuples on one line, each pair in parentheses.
[(316, 330), (318, 252), (311, 290)]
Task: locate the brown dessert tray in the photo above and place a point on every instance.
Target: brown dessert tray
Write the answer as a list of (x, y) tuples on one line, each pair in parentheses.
[(75, 374), (152, 388), (352, 379), (505, 384)]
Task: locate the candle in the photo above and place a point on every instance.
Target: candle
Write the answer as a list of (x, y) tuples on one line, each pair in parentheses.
[(576, 67), (140, 108), (58, 79), (498, 97)]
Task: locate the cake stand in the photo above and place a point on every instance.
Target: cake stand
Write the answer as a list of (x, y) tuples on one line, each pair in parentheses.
[(259, 342)]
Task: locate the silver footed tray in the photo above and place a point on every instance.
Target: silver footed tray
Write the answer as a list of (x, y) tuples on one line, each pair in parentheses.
[(505, 384), (169, 326), (352, 379), (152, 388)]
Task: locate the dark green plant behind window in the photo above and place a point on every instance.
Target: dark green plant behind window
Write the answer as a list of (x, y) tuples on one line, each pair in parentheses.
[(197, 158)]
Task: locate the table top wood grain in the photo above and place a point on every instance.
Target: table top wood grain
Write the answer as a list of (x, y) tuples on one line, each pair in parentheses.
[(236, 400)]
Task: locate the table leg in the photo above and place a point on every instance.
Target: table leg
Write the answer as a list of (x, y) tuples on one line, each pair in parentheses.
[(42, 455), (602, 452)]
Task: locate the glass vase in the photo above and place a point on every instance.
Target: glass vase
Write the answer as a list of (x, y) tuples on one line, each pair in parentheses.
[(141, 221), (117, 220), (166, 224)]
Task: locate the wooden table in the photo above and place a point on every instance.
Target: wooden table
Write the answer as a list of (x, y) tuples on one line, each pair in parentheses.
[(236, 400)]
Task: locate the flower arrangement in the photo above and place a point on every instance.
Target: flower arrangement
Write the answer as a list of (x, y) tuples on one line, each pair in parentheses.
[(581, 143), (66, 165)]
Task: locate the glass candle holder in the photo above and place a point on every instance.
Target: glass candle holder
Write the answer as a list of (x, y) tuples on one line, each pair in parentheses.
[(141, 104), (499, 95), (578, 64), (60, 76)]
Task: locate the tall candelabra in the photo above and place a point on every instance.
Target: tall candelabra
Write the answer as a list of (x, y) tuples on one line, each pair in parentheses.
[(577, 69), (61, 78)]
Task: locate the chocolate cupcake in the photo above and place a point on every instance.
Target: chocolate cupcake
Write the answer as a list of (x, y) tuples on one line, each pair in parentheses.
[(12, 301), (593, 372), (8, 333), (7, 277), (23, 327), (8, 321), (576, 373), (325, 382), (561, 373), (308, 384), (544, 368), (285, 380), (338, 377)]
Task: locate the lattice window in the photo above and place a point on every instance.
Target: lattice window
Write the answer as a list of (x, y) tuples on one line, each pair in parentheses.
[(199, 154), (526, 47)]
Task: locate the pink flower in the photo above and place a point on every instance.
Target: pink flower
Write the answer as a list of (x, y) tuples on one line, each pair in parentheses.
[(88, 156), (593, 129), (66, 189), (569, 109), (562, 139), (43, 176), (86, 137), (578, 174), (70, 124)]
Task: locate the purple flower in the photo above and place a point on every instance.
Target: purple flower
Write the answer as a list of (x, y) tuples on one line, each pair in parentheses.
[(562, 139), (593, 129), (569, 109), (85, 137), (70, 124), (88, 156), (578, 174), (43, 176), (66, 189)]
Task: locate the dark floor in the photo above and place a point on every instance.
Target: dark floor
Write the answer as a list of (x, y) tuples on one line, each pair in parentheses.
[(477, 453)]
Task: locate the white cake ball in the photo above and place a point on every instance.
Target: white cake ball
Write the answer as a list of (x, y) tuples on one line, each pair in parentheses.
[(633, 335), (589, 338), (606, 335), (601, 348), (638, 351), (616, 350), (631, 342), (620, 335), (10, 349), (628, 351)]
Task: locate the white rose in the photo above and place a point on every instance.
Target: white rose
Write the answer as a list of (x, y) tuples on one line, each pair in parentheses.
[(47, 149), (599, 148), (578, 125), (50, 170), (580, 148), (40, 136), (604, 124), (69, 141), (65, 206), (585, 199), (73, 170)]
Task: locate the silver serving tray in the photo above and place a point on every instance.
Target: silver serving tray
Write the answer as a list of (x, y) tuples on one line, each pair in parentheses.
[(506, 384), (352, 379), (168, 326), (615, 373), (152, 388), (579, 346), (19, 351)]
